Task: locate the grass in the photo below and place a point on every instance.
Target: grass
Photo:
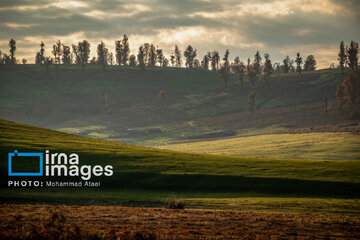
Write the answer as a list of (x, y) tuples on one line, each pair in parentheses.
[(322, 146), (145, 176), (42, 221)]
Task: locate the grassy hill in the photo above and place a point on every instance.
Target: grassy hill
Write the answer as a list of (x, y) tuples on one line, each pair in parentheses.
[(316, 145), (147, 176), (196, 105)]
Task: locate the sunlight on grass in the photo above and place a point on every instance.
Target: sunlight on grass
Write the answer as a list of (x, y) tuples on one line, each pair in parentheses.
[(324, 146)]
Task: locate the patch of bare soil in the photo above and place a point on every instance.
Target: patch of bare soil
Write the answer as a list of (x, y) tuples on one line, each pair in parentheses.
[(112, 222)]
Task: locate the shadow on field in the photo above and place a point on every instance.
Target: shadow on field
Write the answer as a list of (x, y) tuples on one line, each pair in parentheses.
[(237, 184)]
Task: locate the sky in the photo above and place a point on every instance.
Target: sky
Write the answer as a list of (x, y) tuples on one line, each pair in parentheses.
[(279, 27)]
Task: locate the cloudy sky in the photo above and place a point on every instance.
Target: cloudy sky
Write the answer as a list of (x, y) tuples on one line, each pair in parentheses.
[(279, 27)]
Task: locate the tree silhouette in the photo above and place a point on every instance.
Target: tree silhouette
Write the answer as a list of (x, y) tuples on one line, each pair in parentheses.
[(152, 55), (57, 52), (287, 64), (205, 61), (132, 60), (24, 61), (352, 52), (40, 56), (226, 59), (12, 50), (224, 75), (347, 93), (125, 50), (141, 57), (250, 72), (160, 56), (214, 60), (257, 63), (190, 55), (298, 61), (310, 63), (241, 71), (177, 57), (111, 58), (102, 53), (118, 52), (172, 59), (84, 50), (66, 59), (342, 57), (267, 68)]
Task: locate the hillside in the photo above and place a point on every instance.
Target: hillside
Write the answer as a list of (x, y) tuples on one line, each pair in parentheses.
[(122, 104), (148, 176)]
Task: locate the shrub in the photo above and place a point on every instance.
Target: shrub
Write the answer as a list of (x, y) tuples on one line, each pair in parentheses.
[(175, 203)]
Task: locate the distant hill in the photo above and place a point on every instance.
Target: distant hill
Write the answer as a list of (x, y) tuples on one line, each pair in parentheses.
[(122, 103)]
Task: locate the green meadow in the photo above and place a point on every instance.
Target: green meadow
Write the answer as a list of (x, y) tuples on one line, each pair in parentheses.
[(147, 176), (321, 145)]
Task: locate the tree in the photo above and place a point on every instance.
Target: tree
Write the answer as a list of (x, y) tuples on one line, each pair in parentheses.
[(342, 57), (165, 62), (287, 64), (160, 56), (141, 57), (84, 50), (57, 52), (40, 56), (267, 68), (12, 46), (152, 55), (347, 95), (48, 61), (298, 63), (352, 52), (205, 61), (235, 65), (118, 52), (241, 72), (251, 101), (132, 60), (224, 75), (125, 50), (111, 58), (102, 53), (66, 59), (257, 63), (214, 60), (189, 55), (250, 72), (172, 59), (77, 54), (226, 59), (177, 57), (310, 63), (24, 61)]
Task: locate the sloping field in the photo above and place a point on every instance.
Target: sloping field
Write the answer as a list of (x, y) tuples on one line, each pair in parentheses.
[(147, 176), (323, 146)]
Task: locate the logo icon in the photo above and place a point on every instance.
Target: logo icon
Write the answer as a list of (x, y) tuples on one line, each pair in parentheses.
[(22, 156)]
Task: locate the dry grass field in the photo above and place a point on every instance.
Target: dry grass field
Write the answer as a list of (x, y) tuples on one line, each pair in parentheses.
[(110, 222)]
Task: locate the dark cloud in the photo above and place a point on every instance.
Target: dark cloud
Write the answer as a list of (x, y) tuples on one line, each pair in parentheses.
[(243, 33)]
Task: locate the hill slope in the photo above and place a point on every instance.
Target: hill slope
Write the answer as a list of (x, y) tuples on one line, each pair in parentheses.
[(123, 104), (150, 175)]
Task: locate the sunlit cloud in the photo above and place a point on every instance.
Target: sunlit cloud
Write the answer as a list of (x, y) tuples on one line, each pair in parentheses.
[(279, 27)]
